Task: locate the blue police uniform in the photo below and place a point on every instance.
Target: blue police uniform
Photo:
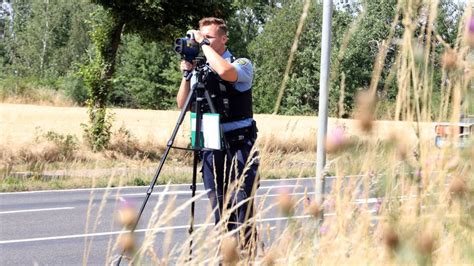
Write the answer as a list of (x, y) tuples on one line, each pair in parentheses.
[(220, 172)]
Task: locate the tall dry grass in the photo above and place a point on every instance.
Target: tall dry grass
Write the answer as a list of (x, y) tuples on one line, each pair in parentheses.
[(406, 202)]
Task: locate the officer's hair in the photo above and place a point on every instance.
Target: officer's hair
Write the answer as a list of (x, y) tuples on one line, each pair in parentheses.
[(216, 21)]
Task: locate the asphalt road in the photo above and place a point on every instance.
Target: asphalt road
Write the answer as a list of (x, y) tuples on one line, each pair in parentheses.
[(51, 228)]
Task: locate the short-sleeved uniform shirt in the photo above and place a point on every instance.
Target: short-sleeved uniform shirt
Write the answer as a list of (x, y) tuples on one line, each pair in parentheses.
[(244, 82)]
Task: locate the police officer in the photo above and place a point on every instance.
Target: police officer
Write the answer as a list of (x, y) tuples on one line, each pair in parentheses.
[(229, 180)]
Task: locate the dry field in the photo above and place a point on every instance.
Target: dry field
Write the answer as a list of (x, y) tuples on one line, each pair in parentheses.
[(20, 124), (30, 161), (287, 145)]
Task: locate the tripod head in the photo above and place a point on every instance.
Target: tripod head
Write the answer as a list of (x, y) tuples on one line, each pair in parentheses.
[(198, 90), (200, 62), (202, 69)]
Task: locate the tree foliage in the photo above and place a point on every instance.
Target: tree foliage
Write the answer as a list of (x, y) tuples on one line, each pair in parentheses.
[(147, 75), (270, 51), (162, 20), (156, 20), (48, 36), (245, 23), (127, 60), (357, 62)]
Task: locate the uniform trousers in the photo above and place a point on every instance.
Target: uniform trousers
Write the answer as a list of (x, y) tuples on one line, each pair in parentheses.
[(231, 181)]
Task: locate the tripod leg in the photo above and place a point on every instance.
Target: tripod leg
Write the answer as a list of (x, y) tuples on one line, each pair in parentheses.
[(160, 166), (193, 193), (197, 148)]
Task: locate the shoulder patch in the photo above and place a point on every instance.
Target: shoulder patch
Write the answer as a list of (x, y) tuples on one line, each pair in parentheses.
[(242, 61)]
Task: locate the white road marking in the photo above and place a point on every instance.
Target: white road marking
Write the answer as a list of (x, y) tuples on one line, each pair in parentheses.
[(38, 210), (279, 186), (158, 193), (188, 192), (141, 230), (357, 201), (184, 192), (94, 234)]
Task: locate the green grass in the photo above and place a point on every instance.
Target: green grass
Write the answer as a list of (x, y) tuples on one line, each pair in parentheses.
[(177, 170)]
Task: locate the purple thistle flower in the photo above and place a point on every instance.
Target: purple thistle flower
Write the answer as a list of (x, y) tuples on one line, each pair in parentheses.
[(126, 203), (419, 173), (471, 25), (338, 134), (323, 230), (330, 203)]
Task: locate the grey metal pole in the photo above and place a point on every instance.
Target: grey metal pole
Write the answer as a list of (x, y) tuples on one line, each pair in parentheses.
[(323, 99)]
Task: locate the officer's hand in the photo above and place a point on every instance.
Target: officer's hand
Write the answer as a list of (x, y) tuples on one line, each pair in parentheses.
[(186, 66), (198, 37)]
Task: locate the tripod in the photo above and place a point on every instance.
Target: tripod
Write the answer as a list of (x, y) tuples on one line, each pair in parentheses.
[(198, 93)]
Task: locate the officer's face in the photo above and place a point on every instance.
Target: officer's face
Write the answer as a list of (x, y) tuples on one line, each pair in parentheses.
[(217, 40)]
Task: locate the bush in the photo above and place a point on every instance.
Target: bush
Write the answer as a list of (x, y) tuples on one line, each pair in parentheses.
[(125, 143), (15, 87), (75, 89), (32, 90), (66, 144), (137, 181)]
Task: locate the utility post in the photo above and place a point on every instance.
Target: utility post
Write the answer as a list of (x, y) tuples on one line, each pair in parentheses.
[(323, 100)]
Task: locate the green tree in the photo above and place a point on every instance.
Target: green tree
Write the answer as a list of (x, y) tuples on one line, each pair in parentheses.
[(43, 44), (270, 51), (245, 23), (153, 20), (357, 62), (447, 27), (48, 38), (147, 75), (448, 19)]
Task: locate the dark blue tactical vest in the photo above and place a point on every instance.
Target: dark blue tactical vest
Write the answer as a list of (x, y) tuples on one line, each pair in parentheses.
[(231, 104)]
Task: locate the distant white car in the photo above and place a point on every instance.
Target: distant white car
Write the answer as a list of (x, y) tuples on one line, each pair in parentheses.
[(445, 132)]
